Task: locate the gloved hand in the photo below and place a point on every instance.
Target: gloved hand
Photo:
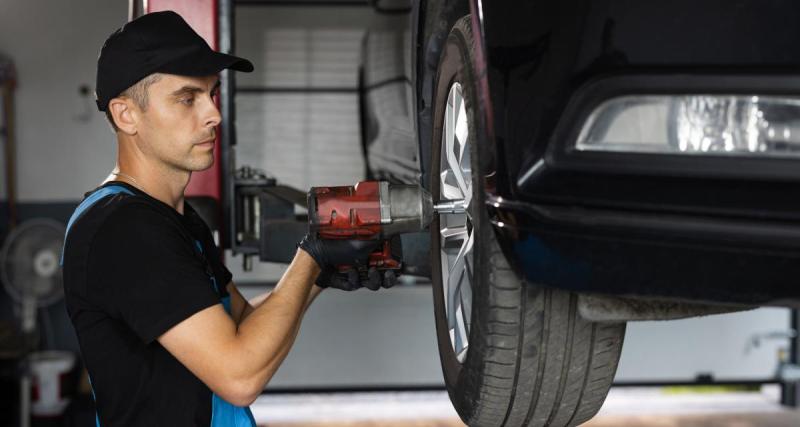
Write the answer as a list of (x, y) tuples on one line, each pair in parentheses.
[(352, 280), (329, 254), (333, 253), (331, 278)]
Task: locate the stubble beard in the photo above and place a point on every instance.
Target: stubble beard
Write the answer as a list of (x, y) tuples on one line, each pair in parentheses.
[(197, 163)]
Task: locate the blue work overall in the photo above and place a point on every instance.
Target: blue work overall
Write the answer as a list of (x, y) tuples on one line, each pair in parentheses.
[(223, 414)]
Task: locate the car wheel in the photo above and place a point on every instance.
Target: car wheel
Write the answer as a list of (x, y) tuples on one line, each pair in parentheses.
[(513, 353)]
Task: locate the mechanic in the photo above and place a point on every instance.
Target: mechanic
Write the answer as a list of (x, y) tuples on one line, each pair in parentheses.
[(164, 344)]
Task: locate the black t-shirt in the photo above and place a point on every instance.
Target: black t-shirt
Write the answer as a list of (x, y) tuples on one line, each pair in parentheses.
[(133, 268)]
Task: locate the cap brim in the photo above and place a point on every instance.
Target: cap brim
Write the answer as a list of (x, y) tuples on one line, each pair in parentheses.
[(234, 63), (206, 63)]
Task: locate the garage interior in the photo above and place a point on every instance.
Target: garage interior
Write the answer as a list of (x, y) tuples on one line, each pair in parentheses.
[(298, 119)]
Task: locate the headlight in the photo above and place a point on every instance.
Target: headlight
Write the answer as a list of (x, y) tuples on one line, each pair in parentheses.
[(740, 125)]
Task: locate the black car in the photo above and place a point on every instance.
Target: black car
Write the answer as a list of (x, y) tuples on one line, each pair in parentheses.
[(620, 160)]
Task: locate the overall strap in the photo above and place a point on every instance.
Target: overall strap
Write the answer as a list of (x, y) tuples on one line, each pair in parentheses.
[(226, 300), (87, 203)]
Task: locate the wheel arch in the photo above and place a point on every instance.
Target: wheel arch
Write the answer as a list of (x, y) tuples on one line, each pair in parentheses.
[(431, 23)]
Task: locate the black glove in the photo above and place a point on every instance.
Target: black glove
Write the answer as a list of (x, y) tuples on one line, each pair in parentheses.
[(333, 253), (330, 254), (330, 277), (351, 280), (377, 279)]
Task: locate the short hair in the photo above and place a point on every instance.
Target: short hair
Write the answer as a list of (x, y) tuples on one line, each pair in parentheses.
[(138, 93)]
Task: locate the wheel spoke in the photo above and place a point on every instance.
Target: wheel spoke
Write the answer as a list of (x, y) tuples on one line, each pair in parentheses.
[(446, 284), (457, 276), (458, 154), (450, 190), (450, 126), (462, 354), (461, 132), (458, 174), (466, 295), (452, 237), (454, 300), (455, 167), (460, 332), (458, 263)]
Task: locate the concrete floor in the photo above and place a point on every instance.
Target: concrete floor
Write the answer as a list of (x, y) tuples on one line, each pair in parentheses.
[(789, 419), (624, 407), (752, 420)]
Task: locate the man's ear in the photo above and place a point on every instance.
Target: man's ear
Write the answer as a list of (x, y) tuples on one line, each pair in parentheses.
[(122, 111)]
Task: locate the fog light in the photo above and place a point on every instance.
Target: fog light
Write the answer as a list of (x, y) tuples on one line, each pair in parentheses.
[(740, 125)]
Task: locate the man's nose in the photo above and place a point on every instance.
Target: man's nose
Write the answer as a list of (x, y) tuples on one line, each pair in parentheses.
[(213, 117)]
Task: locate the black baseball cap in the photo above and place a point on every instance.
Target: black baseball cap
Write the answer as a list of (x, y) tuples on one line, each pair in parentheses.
[(158, 42)]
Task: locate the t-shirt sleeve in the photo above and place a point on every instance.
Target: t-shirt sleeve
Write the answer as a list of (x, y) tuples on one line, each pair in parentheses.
[(221, 272), (144, 271)]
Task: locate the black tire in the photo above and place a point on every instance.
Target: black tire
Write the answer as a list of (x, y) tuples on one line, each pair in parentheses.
[(532, 360)]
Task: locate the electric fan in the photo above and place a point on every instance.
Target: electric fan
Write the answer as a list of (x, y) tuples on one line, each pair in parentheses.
[(31, 275)]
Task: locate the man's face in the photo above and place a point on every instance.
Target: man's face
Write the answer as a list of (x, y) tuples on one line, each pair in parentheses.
[(178, 127)]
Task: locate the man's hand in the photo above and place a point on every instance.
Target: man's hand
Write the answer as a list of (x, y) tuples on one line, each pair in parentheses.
[(352, 280), (333, 253), (330, 254)]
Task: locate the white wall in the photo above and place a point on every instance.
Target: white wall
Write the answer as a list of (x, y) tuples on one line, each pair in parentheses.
[(303, 139), (731, 347), (364, 339), (64, 146)]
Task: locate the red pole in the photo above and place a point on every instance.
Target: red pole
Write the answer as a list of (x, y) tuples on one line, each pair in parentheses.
[(7, 85), (202, 16)]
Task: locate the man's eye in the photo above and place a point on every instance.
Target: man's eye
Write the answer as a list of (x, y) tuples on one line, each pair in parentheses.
[(187, 101)]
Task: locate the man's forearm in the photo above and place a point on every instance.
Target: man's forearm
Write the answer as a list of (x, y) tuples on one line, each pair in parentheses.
[(315, 290), (270, 329), (284, 351), (258, 300)]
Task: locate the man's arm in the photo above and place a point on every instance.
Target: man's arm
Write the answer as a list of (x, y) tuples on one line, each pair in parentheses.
[(236, 362), (241, 307)]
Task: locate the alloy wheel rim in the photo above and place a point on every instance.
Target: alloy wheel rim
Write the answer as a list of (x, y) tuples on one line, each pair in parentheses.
[(455, 229)]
